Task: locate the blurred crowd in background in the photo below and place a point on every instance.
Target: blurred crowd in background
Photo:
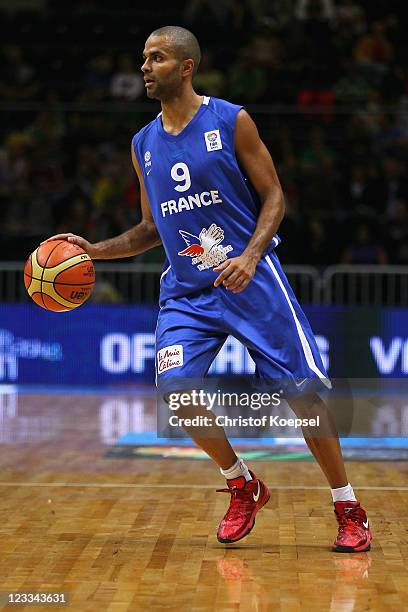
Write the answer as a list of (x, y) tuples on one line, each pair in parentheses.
[(325, 80)]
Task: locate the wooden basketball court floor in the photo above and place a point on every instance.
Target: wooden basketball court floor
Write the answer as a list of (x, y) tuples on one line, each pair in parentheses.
[(139, 534)]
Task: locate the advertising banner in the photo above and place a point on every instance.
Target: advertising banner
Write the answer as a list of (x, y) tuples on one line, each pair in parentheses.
[(114, 345)]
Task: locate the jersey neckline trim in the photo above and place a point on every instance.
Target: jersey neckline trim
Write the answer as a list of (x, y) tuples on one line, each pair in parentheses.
[(174, 137)]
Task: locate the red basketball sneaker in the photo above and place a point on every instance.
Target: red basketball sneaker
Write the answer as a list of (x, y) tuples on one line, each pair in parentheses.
[(354, 533), (246, 499)]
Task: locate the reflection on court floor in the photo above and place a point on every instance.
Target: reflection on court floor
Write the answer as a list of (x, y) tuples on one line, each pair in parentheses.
[(125, 420)]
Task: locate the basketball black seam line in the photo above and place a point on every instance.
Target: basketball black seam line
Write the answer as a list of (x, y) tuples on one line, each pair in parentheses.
[(65, 269), (38, 293), (67, 300), (44, 266), (32, 267), (51, 267), (59, 282), (66, 309)]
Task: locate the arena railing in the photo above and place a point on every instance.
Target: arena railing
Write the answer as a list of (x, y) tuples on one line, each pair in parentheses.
[(130, 283), (365, 285)]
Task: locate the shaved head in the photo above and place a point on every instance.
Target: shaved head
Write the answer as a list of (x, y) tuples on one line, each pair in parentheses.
[(183, 42)]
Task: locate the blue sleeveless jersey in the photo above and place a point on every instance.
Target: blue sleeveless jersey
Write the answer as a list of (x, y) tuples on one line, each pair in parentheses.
[(203, 206)]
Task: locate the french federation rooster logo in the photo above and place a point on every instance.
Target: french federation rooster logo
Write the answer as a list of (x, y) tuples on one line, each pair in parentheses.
[(202, 244)]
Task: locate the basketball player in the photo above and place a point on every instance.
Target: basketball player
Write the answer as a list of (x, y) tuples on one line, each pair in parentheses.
[(211, 196)]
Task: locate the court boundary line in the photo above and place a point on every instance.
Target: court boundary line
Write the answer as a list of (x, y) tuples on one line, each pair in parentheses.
[(107, 485)]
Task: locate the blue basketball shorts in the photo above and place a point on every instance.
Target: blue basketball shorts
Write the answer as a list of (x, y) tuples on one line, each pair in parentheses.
[(266, 317)]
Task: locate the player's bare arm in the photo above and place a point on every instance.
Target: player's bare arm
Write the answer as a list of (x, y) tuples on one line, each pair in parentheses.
[(140, 238), (258, 166)]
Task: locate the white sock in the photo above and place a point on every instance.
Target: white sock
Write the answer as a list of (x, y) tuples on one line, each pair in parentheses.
[(238, 469), (343, 494)]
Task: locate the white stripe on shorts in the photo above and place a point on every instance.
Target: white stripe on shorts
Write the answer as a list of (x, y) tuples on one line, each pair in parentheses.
[(303, 340), (164, 273)]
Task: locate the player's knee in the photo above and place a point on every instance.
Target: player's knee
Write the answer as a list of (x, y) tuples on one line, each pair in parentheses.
[(308, 405), (180, 400)]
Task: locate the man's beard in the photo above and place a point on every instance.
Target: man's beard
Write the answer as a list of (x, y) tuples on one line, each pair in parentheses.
[(164, 91)]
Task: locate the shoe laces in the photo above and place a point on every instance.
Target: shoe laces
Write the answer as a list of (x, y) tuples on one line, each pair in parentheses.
[(239, 500)]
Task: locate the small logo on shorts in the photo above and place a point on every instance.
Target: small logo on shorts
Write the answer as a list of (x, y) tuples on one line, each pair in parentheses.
[(169, 357), (213, 140)]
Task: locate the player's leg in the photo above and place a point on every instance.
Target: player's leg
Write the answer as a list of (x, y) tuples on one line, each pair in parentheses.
[(354, 533), (191, 328), (186, 344), (324, 444), (248, 493), (281, 342), (211, 439)]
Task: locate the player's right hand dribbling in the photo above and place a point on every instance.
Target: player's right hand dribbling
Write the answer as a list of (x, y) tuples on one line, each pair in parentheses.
[(81, 242)]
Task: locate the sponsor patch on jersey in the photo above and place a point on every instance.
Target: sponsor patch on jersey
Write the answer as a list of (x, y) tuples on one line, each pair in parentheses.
[(169, 357), (213, 140), (205, 249), (148, 162)]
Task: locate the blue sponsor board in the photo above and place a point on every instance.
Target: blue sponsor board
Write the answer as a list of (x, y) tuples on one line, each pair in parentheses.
[(112, 345), (90, 345)]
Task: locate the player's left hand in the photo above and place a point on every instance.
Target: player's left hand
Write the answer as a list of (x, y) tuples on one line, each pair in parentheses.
[(235, 273)]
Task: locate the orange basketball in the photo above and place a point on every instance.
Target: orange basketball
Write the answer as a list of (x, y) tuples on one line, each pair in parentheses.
[(59, 275)]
